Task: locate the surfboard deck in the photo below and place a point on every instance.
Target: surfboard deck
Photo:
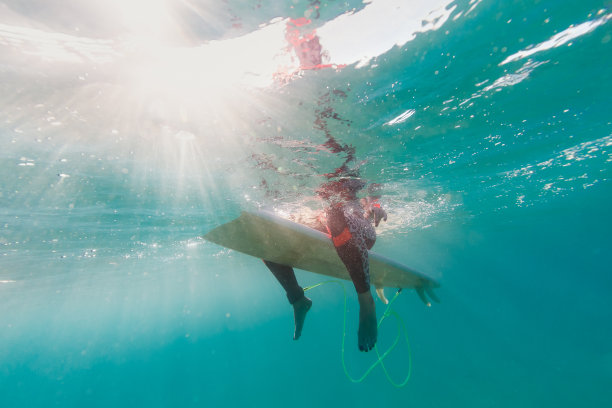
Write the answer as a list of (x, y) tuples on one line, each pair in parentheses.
[(267, 236)]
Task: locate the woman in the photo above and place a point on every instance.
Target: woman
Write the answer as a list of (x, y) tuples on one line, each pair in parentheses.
[(349, 222)]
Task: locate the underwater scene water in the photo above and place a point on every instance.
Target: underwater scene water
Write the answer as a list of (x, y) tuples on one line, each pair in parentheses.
[(130, 128)]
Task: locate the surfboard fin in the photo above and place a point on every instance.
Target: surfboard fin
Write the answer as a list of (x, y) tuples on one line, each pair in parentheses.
[(431, 294), (381, 295), (421, 292)]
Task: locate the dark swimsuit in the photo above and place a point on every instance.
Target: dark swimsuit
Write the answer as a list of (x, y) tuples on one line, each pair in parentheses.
[(353, 235)]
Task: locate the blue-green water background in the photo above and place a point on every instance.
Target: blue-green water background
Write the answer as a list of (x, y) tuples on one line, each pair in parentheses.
[(110, 298)]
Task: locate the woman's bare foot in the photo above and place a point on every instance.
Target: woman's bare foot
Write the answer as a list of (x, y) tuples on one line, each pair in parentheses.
[(300, 308), (368, 330)]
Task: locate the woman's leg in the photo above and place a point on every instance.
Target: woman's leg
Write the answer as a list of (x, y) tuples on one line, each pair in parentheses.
[(286, 277), (352, 244), (295, 293), (352, 240)]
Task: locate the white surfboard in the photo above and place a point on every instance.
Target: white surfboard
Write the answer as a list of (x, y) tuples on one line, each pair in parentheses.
[(267, 236)]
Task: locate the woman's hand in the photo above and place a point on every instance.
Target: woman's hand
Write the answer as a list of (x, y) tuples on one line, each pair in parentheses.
[(378, 213)]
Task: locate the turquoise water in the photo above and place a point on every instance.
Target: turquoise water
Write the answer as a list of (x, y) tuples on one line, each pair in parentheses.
[(127, 130)]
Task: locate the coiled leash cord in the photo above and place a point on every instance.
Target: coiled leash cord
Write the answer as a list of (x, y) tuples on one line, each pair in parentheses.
[(401, 327)]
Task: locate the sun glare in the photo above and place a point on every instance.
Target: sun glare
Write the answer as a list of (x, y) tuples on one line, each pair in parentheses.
[(212, 70), (184, 99), (147, 18), (149, 86)]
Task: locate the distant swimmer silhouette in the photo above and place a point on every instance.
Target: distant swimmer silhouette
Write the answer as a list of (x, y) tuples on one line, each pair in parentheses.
[(348, 220)]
